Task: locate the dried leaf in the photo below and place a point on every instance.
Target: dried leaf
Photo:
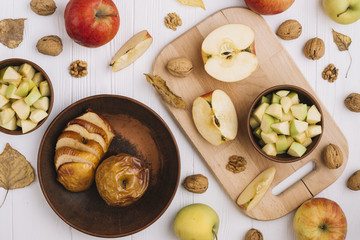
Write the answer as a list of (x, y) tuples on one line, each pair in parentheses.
[(342, 41), (15, 170), (193, 3), (11, 32), (164, 91)]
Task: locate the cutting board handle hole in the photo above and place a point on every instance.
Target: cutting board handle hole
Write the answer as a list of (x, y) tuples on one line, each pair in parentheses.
[(293, 178)]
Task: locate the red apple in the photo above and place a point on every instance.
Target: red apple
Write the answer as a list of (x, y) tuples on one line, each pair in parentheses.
[(320, 219), (91, 23), (269, 7)]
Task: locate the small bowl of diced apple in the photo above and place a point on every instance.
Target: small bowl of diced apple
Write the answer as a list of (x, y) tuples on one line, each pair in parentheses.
[(285, 123), (26, 96)]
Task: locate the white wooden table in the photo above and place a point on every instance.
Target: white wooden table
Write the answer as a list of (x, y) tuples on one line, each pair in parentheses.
[(26, 214)]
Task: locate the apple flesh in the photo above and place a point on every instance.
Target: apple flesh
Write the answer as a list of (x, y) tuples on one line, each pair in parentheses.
[(215, 117), (91, 23), (196, 221), (269, 7), (228, 53), (342, 11), (320, 219)]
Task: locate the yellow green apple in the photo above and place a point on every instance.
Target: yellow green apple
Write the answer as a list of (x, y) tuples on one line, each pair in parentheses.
[(342, 11)]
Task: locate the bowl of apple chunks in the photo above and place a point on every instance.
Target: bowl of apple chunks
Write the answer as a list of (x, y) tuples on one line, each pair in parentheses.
[(26, 96), (285, 123)]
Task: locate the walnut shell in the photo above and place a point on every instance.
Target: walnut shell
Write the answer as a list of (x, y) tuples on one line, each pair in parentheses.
[(289, 30), (179, 67), (314, 49), (50, 45), (333, 156), (254, 234), (352, 102), (197, 183), (354, 181), (43, 7)]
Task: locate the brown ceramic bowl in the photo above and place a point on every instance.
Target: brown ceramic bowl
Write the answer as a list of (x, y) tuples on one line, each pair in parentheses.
[(18, 62), (139, 131), (305, 97)]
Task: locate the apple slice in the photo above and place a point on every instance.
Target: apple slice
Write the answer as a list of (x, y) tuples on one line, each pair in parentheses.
[(296, 150), (300, 138), (287, 117), (33, 96), (286, 103), (307, 142), (6, 115), (313, 115), (281, 144), (10, 125), (27, 125), (21, 109), (10, 92), (134, 48), (297, 127), (38, 78), (3, 89), (257, 132), (228, 53), (37, 115), (44, 89), (23, 89), (270, 149), (265, 99), (254, 192), (271, 137), (275, 98), (259, 111), (266, 123), (275, 110), (294, 98), (253, 122), (42, 103), (281, 127), (215, 117), (3, 101), (10, 75), (299, 111), (282, 93), (27, 71), (313, 131)]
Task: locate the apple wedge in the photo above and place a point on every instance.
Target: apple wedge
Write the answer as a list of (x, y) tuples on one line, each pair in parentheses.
[(228, 53), (215, 117), (256, 189), (134, 48)]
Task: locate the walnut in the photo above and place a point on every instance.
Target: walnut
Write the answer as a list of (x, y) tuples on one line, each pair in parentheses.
[(352, 102), (196, 183), (78, 69), (236, 164), (43, 7), (354, 181), (289, 30), (333, 156), (314, 49), (179, 67), (50, 45), (254, 234), (330, 73), (172, 21)]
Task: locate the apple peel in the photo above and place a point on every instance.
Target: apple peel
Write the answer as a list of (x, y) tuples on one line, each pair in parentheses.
[(193, 3)]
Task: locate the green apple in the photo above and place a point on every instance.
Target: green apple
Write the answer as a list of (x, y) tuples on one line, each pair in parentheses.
[(313, 115), (289, 140), (266, 123), (42, 103), (27, 125), (21, 109), (275, 110), (10, 75), (281, 128), (270, 149), (38, 115), (313, 131), (196, 221), (307, 142), (342, 11), (286, 103), (3, 101), (10, 125), (271, 137), (282, 93), (10, 92), (296, 150), (257, 132), (44, 89), (6, 115), (265, 99), (281, 144), (287, 117), (27, 71), (299, 111), (300, 138), (254, 123), (259, 111), (3, 89), (38, 78), (275, 98), (297, 127), (23, 89), (294, 97), (33, 96)]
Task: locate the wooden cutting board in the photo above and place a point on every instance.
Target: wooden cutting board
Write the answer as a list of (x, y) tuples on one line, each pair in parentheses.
[(275, 67)]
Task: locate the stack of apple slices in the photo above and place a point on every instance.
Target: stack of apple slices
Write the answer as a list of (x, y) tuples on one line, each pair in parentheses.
[(24, 97), (79, 150), (284, 125)]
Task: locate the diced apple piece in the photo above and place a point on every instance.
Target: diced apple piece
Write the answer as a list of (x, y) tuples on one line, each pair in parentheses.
[(3, 101), (294, 98), (38, 78), (8, 105), (300, 138), (297, 127), (281, 128), (10, 125), (257, 132), (287, 117), (299, 111), (289, 140), (42, 103), (275, 98), (265, 99), (16, 68), (281, 144), (10, 75), (286, 103), (307, 142), (274, 110), (271, 137), (134, 48), (23, 89), (44, 89), (18, 122), (3, 89), (296, 150), (33, 96), (21, 109), (282, 93), (6, 115), (313, 131), (27, 125), (270, 149), (313, 115), (38, 115), (254, 123), (254, 192), (27, 71), (259, 111), (31, 83), (10, 92), (266, 123)]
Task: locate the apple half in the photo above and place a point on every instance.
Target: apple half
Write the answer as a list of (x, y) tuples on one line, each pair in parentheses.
[(256, 189), (134, 48), (215, 117), (228, 53)]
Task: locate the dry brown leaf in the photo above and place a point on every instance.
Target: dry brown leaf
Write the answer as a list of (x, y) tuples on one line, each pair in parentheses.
[(15, 170), (11, 32), (343, 43), (193, 3), (164, 91)]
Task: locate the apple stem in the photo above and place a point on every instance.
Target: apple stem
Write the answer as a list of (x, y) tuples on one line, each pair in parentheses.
[(349, 65), (105, 15), (4, 198), (343, 12), (215, 235)]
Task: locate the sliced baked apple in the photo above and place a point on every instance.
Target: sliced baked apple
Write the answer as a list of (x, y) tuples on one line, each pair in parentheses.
[(68, 154), (228, 53), (77, 176), (215, 117), (90, 127), (131, 50), (256, 189)]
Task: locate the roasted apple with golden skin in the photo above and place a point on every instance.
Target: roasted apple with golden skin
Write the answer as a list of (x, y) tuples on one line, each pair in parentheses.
[(121, 179), (76, 176)]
